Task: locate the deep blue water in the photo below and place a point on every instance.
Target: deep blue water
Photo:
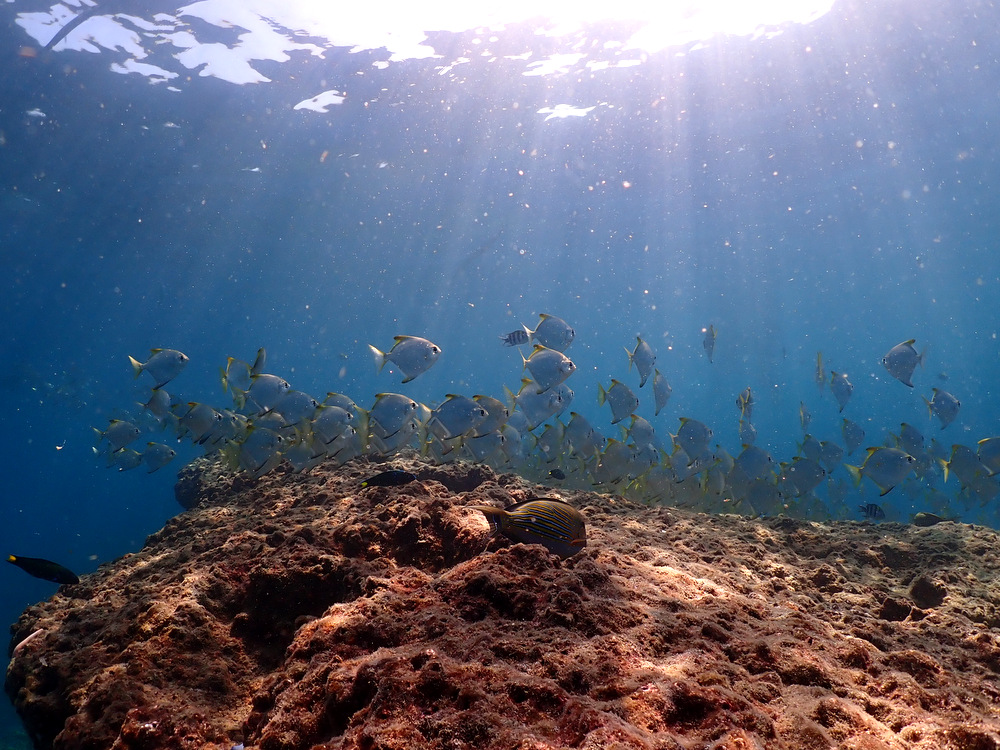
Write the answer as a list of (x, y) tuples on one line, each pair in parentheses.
[(833, 188)]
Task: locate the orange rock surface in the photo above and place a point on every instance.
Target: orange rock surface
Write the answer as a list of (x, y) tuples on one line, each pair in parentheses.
[(299, 611)]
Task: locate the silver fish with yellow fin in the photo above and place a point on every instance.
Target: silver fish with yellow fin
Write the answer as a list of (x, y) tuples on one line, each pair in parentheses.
[(944, 406), (164, 365), (411, 354)]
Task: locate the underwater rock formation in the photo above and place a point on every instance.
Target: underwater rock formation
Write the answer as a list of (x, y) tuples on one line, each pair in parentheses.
[(299, 611)]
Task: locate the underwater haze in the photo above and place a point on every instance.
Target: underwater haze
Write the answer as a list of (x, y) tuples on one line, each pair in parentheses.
[(220, 177)]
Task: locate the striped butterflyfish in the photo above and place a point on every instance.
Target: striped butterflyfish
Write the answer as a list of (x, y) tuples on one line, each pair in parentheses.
[(551, 522)]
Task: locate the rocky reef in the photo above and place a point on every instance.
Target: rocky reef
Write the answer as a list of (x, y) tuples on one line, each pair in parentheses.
[(299, 611)]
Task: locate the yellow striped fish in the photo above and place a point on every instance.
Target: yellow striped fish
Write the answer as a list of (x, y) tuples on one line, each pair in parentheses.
[(554, 524)]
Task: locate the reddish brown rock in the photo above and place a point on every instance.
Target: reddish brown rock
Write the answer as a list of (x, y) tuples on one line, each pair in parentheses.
[(298, 611)]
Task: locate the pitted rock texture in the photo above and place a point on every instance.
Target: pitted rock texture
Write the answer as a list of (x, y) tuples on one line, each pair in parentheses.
[(299, 611)]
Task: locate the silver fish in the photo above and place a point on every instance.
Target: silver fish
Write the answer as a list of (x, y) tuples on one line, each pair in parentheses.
[(886, 467), (709, 340), (693, 437), (411, 354), (330, 421), (296, 407), (643, 358), (156, 456), (661, 392), (164, 365), (804, 475), (944, 406), (553, 333), (744, 402), (265, 392), (853, 434), (841, 388), (118, 434), (989, 454), (456, 416), (621, 398), (389, 413), (911, 439), (804, 416), (902, 360), (548, 367), (498, 415)]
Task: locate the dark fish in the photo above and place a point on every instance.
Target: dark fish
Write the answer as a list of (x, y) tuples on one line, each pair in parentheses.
[(554, 524), (871, 511), (44, 569), (557, 474), (928, 519), (390, 478), (516, 338)]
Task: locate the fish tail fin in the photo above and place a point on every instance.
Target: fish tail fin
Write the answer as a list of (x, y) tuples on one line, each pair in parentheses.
[(494, 517), (602, 395), (945, 468), (258, 363), (630, 358), (136, 365), (529, 333), (930, 411), (380, 357), (922, 356), (239, 397), (225, 378), (855, 473)]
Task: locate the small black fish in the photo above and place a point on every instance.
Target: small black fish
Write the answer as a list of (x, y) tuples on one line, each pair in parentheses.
[(871, 511), (557, 474), (391, 478), (44, 569), (516, 338)]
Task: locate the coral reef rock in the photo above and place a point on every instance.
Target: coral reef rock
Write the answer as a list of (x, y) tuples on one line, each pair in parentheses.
[(299, 611)]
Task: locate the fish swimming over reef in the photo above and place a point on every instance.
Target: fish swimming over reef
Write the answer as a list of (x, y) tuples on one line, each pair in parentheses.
[(44, 569), (390, 478), (411, 354), (551, 522), (886, 467)]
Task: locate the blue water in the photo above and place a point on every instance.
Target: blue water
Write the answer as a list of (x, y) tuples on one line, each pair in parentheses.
[(832, 188)]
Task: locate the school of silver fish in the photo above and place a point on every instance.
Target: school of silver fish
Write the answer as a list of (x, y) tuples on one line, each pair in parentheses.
[(536, 433)]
